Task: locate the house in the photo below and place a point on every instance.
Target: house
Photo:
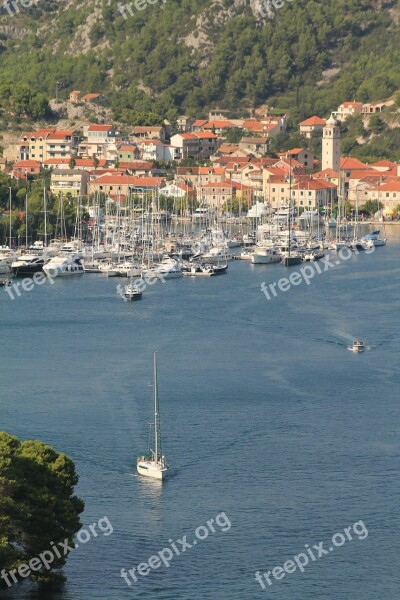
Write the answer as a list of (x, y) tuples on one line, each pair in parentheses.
[(218, 126), (388, 193), (178, 190), (120, 184), (256, 145), (215, 194), (348, 109), (93, 98), (199, 124), (139, 168), (302, 155), (32, 145), (151, 149), (127, 152), (185, 123), (376, 107), (171, 152), (311, 194), (23, 168), (276, 188), (74, 96), (99, 134), (188, 144), (311, 126), (69, 181), (199, 175), (60, 144), (328, 175), (81, 164), (208, 143), (148, 133)]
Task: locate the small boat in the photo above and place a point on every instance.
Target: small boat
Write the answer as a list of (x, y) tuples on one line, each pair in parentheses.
[(154, 464), (132, 292), (358, 346), (5, 282)]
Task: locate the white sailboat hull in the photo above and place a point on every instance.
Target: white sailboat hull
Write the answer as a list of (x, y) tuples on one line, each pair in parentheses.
[(152, 469)]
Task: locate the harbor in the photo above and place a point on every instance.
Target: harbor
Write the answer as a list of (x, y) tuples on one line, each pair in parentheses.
[(238, 376)]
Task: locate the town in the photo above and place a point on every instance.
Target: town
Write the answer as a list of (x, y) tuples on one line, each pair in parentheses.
[(100, 159)]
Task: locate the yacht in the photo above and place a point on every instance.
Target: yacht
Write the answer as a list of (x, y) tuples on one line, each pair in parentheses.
[(265, 256), (7, 256), (169, 268), (132, 292), (27, 264), (358, 346), (154, 464), (373, 239), (64, 265), (201, 215)]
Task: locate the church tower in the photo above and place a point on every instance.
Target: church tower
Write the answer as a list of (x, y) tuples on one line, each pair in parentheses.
[(331, 145)]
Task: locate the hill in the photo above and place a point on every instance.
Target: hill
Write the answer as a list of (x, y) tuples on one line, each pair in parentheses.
[(188, 56)]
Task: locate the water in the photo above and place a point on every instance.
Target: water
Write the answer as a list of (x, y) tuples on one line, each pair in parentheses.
[(267, 417)]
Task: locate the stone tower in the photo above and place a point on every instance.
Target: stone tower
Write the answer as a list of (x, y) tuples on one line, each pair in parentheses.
[(331, 145)]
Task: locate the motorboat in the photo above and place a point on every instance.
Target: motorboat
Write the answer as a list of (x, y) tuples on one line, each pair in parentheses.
[(132, 292), (169, 268), (358, 346), (5, 282), (64, 265), (265, 256), (27, 264)]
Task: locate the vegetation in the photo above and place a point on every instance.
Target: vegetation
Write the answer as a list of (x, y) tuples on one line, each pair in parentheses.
[(153, 68), (37, 505)]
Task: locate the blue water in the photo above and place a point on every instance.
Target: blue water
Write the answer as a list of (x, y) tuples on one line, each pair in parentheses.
[(267, 417)]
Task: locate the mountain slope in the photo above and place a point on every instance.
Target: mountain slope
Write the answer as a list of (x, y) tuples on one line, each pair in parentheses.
[(191, 55)]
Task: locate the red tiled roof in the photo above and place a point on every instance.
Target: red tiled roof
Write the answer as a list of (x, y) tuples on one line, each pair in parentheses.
[(390, 186), (347, 104), (314, 121), (99, 127), (349, 163), (205, 135), (326, 174)]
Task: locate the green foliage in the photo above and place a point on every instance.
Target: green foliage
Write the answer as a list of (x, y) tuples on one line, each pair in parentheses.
[(376, 124), (37, 503), (370, 207), (147, 67)]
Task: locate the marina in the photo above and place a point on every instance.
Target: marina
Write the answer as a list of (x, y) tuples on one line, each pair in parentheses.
[(238, 377)]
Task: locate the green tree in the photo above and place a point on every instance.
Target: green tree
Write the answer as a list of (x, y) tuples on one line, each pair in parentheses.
[(37, 504), (376, 124)]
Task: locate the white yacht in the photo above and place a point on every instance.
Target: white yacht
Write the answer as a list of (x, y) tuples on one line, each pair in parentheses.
[(217, 254), (64, 265), (132, 292), (265, 256), (154, 464), (373, 239), (201, 215), (7, 257), (169, 268)]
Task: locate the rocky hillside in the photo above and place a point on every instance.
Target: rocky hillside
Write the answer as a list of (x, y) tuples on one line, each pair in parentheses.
[(190, 55)]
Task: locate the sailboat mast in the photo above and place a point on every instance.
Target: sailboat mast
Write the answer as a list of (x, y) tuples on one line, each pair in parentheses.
[(155, 409)]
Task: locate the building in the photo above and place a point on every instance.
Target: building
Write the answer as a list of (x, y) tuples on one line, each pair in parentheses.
[(23, 168), (120, 184), (60, 144), (312, 194), (302, 155), (311, 126), (127, 152), (258, 146), (331, 145), (188, 144), (69, 181), (74, 96), (185, 123), (148, 133), (178, 190), (388, 194), (348, 109)]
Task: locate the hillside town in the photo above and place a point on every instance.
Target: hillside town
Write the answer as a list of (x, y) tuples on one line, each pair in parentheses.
[(100, 159)]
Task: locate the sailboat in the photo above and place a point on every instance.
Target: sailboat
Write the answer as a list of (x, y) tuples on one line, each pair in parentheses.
[(154, 464)]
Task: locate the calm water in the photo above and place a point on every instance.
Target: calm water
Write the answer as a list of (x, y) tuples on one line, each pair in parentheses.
[(267, 416)]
